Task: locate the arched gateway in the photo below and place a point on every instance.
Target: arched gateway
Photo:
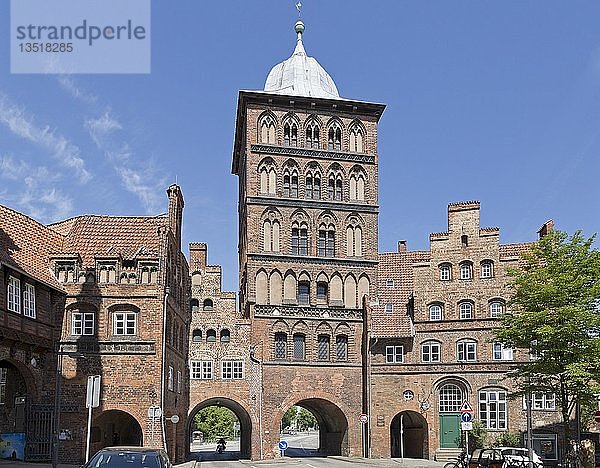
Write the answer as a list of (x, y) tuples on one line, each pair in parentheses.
[(408, 436), (238, 410)]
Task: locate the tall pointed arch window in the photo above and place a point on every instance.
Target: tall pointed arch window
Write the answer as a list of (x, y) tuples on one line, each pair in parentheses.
[(299, 239), (271, 235), (326, 245), (290, 133), (290, 183), (357, 185), (334, 188), (334, 137), (312, 135), (356, 139), (267, 130), (313, 184), (354, 239)]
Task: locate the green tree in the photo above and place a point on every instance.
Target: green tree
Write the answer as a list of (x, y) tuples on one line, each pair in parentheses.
[(289, 417), (215, 421), (306, 420), (555, 314)]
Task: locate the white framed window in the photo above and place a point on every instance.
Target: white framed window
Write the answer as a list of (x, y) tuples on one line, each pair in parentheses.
[(496, 309), (202, 370), (492, 409), (450, 399), (465, 310), (232, 369), (487, 269), (178, 381), (445, 272), (389, 283), (29, 300), (14, 295), (170, 378), (394, 354), (82, 323), (500, 353), (389, 308), (124, 323), (466, 351), (544, 401), (3, 376), (435, 312), (430, 351), (466, 271)]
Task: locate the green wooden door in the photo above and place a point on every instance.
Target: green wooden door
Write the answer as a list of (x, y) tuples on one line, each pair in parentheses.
[(449, 430)]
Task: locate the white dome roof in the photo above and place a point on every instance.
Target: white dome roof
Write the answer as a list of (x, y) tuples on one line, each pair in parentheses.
[(301, 75)]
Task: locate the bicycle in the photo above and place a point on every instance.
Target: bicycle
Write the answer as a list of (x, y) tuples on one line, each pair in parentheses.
[(461, 462)]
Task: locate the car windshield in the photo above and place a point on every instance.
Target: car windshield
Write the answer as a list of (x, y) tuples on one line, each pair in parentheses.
[(125, 459)]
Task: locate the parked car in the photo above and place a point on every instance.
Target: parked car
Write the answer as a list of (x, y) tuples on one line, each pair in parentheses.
[(129, 457), (519, 457)]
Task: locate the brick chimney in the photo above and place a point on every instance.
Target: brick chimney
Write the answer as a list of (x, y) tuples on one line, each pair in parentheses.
[(401, 246), (198, 256), (546, 228), (175, 211)]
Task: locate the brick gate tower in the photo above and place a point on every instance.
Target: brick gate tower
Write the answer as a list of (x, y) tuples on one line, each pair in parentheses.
[(307, 166)]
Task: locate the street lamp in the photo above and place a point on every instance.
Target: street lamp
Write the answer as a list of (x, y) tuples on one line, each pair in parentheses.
[(57, 391)]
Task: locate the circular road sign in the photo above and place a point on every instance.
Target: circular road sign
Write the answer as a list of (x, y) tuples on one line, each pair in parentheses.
[(174, 419), (597, 416), (466, 417), (364, 418), (283, 445)]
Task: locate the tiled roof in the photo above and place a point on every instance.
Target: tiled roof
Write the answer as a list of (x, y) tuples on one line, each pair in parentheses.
[(514, 250), (125, 236), (397, 266), (25, 244)]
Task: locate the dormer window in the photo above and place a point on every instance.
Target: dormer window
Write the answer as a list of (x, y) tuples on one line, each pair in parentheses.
[(65, 271), (107, 272)]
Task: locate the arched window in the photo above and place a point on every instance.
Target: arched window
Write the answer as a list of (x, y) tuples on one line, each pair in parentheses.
[(211, 335), (299, 347), (275, 288), (466, 350), (322, 292), (225, 335), (354, 241), (313, 184), (445, 272), (271, 235), (496, 308), (290, 133), (207, 304), (336, 287), (289, 288), (357, 185), (197, 335), (268, 177), (451, 398), (290, 183), (261, 287), (312, 135), (350, 292), (326, 245), (465, 310), (430, 351), (493, 409), (435, 312), (323, 347), (334, 191), (356, 139), (280, 346), (303, 293), (466, 270), (267, 130), (299, 239), (487, 269), (194, 305), (341, 347), (364, 286), (334, 140)]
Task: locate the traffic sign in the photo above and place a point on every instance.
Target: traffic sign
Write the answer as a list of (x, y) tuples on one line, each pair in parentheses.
[(466, 407), (174, 419), (364, 418), (466, 417), (92, 399), (283, 445), (466, 426), (597, 416)]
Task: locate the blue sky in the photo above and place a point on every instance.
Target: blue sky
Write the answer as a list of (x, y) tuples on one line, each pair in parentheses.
[(497, 101)]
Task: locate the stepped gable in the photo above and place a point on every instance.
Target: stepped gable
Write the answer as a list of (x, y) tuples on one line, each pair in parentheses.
[(25, 244), (125, 236)]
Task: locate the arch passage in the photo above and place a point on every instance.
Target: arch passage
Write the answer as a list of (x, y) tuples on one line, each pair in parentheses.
[(238, 410), (116, 427), (333, 426), (414, 440)]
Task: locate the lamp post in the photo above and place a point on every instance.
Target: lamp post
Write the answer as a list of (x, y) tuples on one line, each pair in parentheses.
[(57, 391)]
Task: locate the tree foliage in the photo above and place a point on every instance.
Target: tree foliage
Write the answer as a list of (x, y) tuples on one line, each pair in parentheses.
[(554, 312), (299, 418), (215, 421)]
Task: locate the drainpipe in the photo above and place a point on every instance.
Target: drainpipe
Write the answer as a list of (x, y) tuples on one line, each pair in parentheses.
[(260, 397), (163, 367)]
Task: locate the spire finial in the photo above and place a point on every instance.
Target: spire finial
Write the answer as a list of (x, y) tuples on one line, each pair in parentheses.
[(298, 7)]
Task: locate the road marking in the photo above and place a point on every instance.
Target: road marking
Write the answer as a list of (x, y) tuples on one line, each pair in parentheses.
[(311, 466)]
